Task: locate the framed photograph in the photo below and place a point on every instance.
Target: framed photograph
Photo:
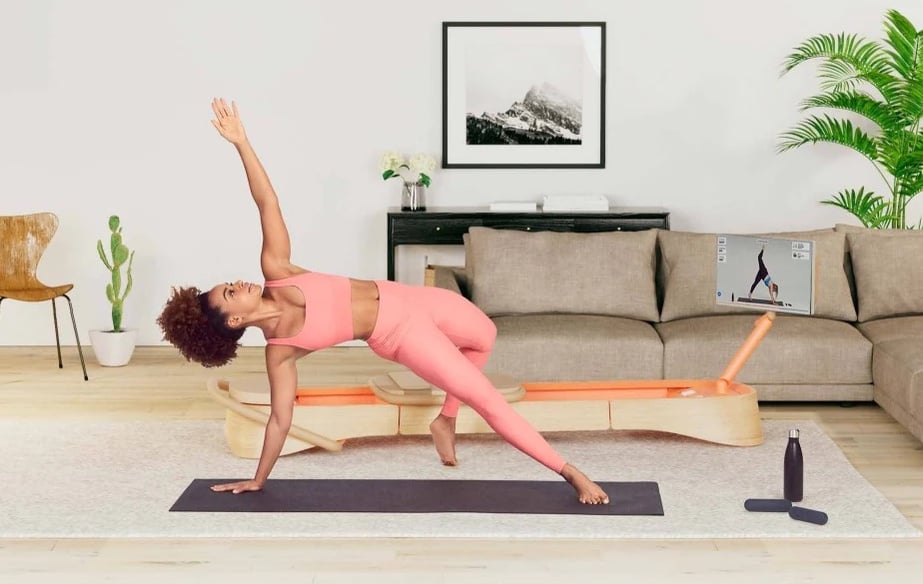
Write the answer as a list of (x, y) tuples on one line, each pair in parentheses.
[(523, 94)]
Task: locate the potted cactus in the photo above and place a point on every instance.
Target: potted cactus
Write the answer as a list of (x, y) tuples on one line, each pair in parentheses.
[(114, 347)]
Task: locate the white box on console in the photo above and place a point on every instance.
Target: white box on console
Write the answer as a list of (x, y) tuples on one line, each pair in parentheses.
[(575, 203)]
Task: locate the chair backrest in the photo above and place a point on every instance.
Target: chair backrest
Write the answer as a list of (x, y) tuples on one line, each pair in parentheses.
[(23, 240)]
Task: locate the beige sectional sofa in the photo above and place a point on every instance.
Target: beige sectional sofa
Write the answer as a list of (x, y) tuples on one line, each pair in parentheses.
[(640, 305)]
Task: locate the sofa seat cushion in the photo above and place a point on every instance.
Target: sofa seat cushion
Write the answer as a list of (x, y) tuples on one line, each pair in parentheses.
[(797, 349), (823, 392), (897, 367), (518, 272), (556, 347), (889, 329)]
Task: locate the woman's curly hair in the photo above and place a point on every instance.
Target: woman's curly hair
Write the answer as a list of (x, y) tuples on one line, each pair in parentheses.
[(197, 329)]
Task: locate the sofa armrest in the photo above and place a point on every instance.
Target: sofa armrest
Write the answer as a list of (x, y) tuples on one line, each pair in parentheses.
[(451, 278)]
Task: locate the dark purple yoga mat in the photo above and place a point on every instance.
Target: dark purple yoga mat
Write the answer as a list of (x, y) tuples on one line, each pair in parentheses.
[(418, 496)]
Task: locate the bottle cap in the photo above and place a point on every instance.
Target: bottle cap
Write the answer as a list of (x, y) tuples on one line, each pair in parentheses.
[(793, 433)]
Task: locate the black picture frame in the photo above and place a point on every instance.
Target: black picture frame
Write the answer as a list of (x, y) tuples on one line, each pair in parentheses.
[(556, 125)]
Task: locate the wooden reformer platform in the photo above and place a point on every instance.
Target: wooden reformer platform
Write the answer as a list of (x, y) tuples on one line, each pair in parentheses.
[(716, 410)]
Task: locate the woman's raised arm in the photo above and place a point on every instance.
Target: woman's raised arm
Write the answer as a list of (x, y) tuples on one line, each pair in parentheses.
[(275, 257)]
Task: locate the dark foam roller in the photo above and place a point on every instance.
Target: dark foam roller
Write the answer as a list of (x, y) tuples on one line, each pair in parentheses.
[(808, 515), (768, 505)]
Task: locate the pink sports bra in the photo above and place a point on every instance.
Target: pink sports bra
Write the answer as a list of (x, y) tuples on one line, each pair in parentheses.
[(328, 315)]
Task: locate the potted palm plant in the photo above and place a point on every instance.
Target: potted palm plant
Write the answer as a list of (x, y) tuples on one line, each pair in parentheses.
[(114, 347), (882, 82)]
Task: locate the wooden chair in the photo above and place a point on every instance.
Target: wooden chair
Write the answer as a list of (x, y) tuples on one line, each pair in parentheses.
[(23, 240)]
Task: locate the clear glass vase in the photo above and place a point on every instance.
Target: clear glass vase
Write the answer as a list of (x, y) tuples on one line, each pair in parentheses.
[(413, 197)]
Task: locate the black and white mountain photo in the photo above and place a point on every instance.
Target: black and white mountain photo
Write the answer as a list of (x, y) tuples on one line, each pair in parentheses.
[(525, 93), (545, 115)]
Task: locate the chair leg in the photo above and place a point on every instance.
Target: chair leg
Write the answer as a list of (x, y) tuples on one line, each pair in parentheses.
[(57, 337), (77, 336)]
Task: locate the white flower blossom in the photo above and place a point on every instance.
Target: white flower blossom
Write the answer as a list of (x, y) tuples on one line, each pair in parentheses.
[(390, 161), (422, 163)]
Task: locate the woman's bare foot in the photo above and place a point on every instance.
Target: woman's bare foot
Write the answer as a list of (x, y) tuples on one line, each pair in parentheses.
[(588, 492), (443, 431)]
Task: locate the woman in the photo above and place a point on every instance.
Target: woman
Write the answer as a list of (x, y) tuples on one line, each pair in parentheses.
[(762, 275), (437, 334)]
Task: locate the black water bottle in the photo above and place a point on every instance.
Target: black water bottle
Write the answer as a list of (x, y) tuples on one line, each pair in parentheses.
[(794, 469)]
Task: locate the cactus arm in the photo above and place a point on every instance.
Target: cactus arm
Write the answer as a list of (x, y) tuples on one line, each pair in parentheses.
[(102, 254), (128, 275)]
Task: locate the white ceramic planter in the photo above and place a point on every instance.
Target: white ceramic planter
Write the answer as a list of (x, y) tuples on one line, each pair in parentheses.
[(113, 349)]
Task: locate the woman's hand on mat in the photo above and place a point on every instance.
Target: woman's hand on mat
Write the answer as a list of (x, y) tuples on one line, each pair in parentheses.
[(241, 487), (228, 123)]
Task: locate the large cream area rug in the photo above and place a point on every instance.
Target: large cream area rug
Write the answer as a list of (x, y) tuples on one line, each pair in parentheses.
[(119, 479)]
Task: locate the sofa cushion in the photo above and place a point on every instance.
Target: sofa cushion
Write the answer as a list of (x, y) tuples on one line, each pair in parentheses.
[(890, 329), (517, 272), (688, 275), (888, 270), (898, 371), (557, 347), (797, 349), (845, 228)]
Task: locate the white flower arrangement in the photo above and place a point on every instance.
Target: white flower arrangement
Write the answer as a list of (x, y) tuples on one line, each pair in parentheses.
[(417, 170)]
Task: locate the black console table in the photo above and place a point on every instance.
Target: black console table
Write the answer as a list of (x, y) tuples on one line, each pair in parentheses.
[(446, 225)]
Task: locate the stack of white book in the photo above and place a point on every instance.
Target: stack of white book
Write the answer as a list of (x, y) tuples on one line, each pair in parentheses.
[(575, 203), (525, 206)]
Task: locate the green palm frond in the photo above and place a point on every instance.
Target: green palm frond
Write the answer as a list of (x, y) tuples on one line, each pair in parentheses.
[(827, 129), (856, 102), (910, 186), (909, 97), (897, 151), (869, 208), (905, 45), (862, 54), (848, 61), (908, 165), (838, 75), (905, 54)]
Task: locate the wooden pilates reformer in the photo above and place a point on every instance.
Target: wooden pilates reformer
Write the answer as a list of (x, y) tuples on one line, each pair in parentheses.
[(715, 410)]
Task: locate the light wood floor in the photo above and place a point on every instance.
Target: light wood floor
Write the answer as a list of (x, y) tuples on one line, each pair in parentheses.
[(159, 384)]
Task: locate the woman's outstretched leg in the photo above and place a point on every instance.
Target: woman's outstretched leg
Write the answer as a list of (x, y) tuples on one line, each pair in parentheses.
[(757, 280), (761, 273), (429, 353)]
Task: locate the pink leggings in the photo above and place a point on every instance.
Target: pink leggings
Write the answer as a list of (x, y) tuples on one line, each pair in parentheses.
[(446, 340)]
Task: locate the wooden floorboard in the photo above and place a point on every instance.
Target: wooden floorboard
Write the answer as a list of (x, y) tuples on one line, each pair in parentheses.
[(158, 384)]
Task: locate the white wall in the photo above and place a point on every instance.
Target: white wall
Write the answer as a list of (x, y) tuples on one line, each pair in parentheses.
[(105, 109)]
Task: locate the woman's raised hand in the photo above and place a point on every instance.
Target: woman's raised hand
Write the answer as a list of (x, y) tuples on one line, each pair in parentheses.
[(228, 122)]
